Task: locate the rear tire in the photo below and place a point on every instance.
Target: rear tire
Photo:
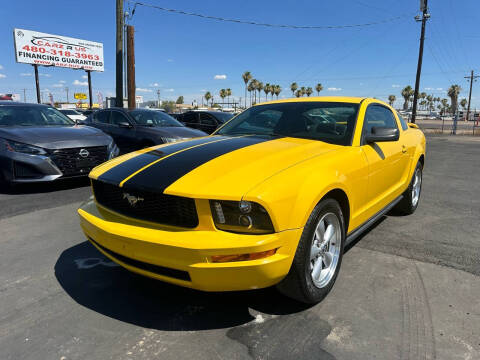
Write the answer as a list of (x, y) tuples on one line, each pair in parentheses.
[(411, 196), (319, 255)]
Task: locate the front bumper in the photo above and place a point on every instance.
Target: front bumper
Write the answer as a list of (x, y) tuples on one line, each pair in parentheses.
[(25, 168), (183, 257)]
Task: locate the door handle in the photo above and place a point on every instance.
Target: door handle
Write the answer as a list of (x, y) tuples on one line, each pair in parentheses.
[(404, 149)]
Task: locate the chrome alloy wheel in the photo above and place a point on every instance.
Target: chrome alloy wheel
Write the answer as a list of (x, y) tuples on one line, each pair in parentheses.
[(417, 186), (325, 250)]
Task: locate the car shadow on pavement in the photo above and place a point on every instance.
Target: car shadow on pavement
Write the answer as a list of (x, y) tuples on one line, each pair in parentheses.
[(44, 187), (95, 282)]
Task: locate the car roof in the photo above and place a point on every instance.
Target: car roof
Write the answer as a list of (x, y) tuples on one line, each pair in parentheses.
[(349, 99), (17, 103)]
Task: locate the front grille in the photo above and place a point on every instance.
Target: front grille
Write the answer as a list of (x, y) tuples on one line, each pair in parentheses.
[(158, 208), (25, 171), (71, 163), (156, 269)]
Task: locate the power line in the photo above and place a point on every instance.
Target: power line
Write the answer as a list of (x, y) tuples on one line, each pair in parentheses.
[(284, 26)]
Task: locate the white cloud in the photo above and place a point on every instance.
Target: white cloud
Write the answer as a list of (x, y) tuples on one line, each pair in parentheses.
[(62, 81), (80, 83), (1, 67), (84, 77), (144, 90), (57, 85), (25, 74), (220, 77), (155, 85), (170, 90), (46, 75), (334, 89), (395, 86), (2, 76), (439, 89)]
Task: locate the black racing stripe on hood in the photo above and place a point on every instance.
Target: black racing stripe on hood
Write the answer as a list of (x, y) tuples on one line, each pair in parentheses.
[(164, 173), (118, 173)]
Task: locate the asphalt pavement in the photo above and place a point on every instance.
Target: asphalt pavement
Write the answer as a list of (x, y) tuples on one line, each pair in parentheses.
[(408, 289)]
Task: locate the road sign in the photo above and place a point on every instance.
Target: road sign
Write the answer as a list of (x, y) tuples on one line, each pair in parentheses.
[(32, 47), (80, 96)]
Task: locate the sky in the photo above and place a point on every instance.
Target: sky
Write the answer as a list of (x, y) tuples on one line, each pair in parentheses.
[(184, 55)]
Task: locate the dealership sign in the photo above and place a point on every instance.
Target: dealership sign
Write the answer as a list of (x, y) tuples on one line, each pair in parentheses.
[(80, 96), (32, 47)]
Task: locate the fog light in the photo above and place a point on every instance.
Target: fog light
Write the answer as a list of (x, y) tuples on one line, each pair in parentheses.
[(245, 220), (243, 257)]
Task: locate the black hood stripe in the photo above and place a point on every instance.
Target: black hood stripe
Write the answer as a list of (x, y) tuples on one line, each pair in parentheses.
[(164, 173), (118, 173)]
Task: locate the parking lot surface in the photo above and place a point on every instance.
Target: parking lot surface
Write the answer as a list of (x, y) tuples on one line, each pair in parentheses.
[(408, 289)]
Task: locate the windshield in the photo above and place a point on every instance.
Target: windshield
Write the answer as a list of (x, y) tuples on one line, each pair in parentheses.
[(32, 116), (70, 112), (331, 122), (223, 117), (154, 118)]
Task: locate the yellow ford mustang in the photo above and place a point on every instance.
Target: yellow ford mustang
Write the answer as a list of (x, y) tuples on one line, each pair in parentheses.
[(272, 197)]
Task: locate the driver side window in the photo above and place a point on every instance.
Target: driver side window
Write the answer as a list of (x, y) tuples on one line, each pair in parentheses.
[(118, 117), (378, 116)]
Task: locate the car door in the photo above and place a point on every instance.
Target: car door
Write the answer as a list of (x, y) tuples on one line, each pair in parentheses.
[(387, 161), (207, 123), (125, 136), (191, 120)]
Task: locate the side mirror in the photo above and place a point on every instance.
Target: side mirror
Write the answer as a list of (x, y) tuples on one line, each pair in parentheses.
[(380, 134), (125, 124)]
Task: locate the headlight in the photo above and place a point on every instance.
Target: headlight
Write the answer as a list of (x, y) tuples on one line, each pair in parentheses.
[(241, 217), (112, 150), (23, 148)]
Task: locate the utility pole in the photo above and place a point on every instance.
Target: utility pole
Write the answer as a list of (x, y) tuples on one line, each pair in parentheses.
[(119, 55), (471, 78), (66, 89), (131, 67), (423, 18), (90, 102), (37, 83), (158, 96), (25, 95)]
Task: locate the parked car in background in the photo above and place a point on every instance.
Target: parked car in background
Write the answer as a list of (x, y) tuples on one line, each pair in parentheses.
[(140, 128), (87, 112), (73, 114), (38, 143), (207, 121)]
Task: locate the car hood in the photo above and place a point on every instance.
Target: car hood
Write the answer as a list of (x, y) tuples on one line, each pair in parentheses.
[(173, 131), (213, 167), (56, 137)]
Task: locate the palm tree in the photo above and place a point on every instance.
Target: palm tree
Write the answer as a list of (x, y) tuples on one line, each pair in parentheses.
[(277, 89), (266, 89), (250, 88), (463, 103), (444, 107), (318, 88), (228, 92), (303, 90), (293, 88), (453, 92), (207, 96), (422, 96), (246, 76), (298, 93), (429, 102), (407, 93), (391, 99), (259, 89), (309, 91), (223, 94)]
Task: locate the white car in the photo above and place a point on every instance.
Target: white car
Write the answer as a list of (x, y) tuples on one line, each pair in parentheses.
[(73, 114)]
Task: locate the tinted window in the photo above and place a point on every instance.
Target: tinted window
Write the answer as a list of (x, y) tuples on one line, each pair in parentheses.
[(331, 122), (223, 117), (70, 112), (32, 116), (378, 116), (102, 117), (190, 117), (118, 117), (402, 121), (153, 118), (206, 119)]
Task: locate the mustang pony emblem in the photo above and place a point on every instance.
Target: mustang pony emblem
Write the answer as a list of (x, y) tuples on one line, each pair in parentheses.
[(132, 200)]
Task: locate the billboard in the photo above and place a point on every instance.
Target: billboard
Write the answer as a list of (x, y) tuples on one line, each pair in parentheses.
[(80, 96), (32, 47)]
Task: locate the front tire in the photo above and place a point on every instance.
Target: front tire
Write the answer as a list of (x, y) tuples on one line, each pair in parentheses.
[(411, 196), (319, 255)]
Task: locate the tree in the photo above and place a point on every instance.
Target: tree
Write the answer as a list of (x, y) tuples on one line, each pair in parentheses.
[(277, 89), (266, 90), (298, 93), (228, 92), (391, 99), (453, 92), (179, 100), (207, 96), (318, 88), (309, 91), (463, 104), (246, 76), (407, 93), (444, 107), (259, 89), (169, 106), (294, 87), (223, 94), (250, 88)]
